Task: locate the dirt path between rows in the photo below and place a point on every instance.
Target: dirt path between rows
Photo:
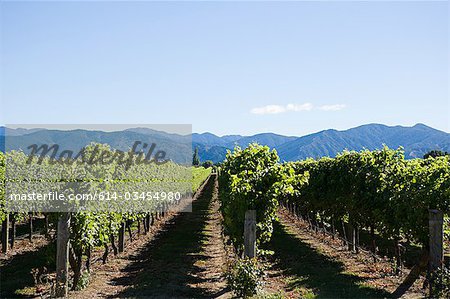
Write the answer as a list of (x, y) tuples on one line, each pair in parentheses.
[(184, 258), (212, 267)]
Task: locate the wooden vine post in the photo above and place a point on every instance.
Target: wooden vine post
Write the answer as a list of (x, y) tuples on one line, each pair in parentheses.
[(31, 227), (436, 222), (5, 234), (122, 237), (62, 256), (250, 234)]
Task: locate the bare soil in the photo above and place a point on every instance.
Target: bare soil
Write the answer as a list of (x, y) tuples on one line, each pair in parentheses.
[(183, 258), (309, 264)]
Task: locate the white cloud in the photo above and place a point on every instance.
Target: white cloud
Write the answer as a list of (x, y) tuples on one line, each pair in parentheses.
[(300, 107), (276, 109), (335, 107), (269, 109)]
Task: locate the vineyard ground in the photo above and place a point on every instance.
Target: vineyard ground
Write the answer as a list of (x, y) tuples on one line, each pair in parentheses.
[(185, 259), (313, 268), (15, 267), (22, 245)]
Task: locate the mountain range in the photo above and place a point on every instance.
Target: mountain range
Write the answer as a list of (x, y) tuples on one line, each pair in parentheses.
[(416, 141)]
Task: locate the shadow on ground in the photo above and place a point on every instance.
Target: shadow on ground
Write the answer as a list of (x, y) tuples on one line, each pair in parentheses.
[(165, 267), (311, 270), (15, 274)]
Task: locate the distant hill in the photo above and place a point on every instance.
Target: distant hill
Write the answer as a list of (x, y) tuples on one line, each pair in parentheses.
[(17, 132), (416, 141), (230, 141), (212, 147), (178, 148), (209, 139), (269, 139), (213, 153)]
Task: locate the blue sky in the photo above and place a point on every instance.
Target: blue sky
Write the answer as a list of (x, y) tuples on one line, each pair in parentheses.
[(229, 67)]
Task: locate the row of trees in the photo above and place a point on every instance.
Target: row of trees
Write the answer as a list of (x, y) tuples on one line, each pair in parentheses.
[(196, 160), (150, 187), (378, 191)]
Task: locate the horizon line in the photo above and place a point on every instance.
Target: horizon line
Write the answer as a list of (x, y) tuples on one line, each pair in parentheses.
[(220, 136)]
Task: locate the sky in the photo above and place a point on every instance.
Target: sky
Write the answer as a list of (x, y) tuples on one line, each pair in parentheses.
[(291, 68)]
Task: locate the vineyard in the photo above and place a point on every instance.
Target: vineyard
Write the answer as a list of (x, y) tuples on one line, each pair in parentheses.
[(94, 230), (367, 208), (376, 194)]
